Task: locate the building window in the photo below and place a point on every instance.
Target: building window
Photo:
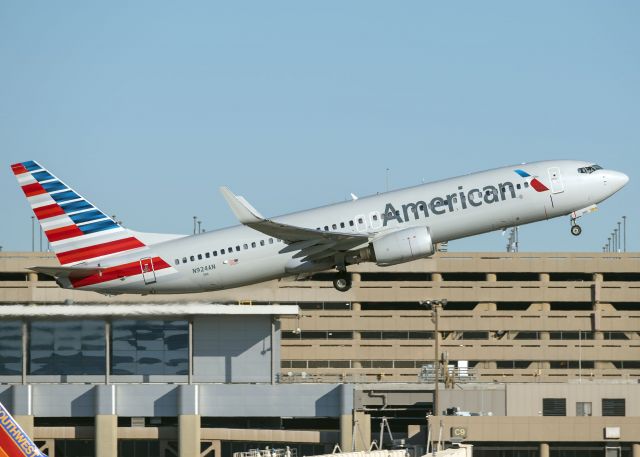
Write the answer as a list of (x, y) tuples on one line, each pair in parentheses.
[(613, 407), (149, 347), (74, 347), (10, 348), (554, 406), (583, 408)]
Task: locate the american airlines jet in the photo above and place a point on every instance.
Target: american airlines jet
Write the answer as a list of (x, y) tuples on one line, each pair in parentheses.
[(97, 253)]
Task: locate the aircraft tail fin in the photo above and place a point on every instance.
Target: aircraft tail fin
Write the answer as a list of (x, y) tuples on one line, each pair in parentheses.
[(14, 442), (77, 231)]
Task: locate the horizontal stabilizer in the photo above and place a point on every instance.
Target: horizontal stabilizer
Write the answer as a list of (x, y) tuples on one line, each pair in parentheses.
[(67, 272)]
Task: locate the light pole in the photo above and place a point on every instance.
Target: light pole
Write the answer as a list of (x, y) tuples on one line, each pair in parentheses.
[(619, 243), (33, 234), (624, 233), (436, 306), (194, 224)]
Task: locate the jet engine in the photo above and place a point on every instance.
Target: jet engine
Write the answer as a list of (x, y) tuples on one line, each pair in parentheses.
[(402, 246)]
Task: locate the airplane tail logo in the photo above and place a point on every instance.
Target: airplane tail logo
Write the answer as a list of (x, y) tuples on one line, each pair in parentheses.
[(77, 231), (14, 442), (535, 183)]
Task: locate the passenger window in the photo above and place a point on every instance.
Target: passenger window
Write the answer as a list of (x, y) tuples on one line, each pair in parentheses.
[(326, 228), (270, 240), (518, 186), (351, 224), (341, 224), (192, 258), (253, 244), (261, 242), (360, 221), (199, 256), (375, 217), (317, 228), (184, 260), (215, 253), (334, 227), (526, 184), (230, 249), (238, 248), (207, 255), (245, 246), (221, 251), (177, 261)]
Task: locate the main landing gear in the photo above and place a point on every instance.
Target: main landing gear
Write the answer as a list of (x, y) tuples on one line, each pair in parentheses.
[(342, 281)]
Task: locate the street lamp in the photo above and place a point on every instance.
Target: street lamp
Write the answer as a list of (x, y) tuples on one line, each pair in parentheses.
[(436, 306), (624, 228)]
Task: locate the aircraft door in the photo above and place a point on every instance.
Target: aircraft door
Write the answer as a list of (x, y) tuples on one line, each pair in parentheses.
[(557, 186), (148, 273)]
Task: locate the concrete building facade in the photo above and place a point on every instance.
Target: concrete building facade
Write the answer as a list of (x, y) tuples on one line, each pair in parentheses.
[(547, 344)]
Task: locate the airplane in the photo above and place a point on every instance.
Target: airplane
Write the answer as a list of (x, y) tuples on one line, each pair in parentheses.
[(14, 442), (97, 253)]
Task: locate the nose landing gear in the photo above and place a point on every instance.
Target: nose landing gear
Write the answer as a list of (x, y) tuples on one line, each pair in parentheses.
[(576, 230)]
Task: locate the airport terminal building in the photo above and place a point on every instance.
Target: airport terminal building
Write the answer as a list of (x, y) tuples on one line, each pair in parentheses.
[(540, 356)]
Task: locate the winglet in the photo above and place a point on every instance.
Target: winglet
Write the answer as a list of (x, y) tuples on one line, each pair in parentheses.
[(245, 213)]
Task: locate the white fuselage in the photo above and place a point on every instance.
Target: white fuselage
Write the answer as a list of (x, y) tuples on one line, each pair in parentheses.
[(451, 209)]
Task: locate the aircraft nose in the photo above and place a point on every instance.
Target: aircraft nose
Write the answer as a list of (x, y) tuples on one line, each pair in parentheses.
[(617, 180)]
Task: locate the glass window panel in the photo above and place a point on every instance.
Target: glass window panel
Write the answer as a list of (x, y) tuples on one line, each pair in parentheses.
[(73, 347), (150, 347), (10, 348)]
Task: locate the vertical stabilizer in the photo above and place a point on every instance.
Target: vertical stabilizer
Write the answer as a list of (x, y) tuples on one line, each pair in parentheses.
[(77, 231)]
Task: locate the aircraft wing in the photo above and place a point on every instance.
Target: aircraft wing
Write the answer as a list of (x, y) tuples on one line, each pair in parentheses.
[(67, 272), (312, 244)]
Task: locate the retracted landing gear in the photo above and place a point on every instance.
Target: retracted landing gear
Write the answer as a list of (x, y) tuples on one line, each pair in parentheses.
[(342, 281)]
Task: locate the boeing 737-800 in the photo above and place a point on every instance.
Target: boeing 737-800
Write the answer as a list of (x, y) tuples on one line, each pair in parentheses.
[(97, 253)]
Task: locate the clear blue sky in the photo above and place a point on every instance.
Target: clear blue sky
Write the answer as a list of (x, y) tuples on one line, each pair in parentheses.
[(146, 108)]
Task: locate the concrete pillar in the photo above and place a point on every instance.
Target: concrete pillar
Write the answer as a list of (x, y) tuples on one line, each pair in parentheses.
[(544, 450), (188, 421), (544, 277), (355, 306), (436, 277), (189, 435), (362, 427), (635, 450), (356, 278), (106, 435), (346, 417), (346, 432), (106, 421), (492, 277), (26, 422)]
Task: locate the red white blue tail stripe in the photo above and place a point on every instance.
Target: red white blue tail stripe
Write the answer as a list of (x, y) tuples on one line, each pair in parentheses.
[(77, 230), (14, 442)]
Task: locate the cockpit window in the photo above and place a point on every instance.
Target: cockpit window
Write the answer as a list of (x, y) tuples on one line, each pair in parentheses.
[(590, 169)]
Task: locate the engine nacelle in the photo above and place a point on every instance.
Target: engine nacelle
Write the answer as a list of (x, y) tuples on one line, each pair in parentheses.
[(402, 246)]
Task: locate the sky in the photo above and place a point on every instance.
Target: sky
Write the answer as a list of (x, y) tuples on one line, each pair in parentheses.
[(146, 108)]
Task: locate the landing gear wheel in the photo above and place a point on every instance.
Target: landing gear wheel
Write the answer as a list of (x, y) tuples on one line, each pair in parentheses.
[(576, 230), (342, 282)]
